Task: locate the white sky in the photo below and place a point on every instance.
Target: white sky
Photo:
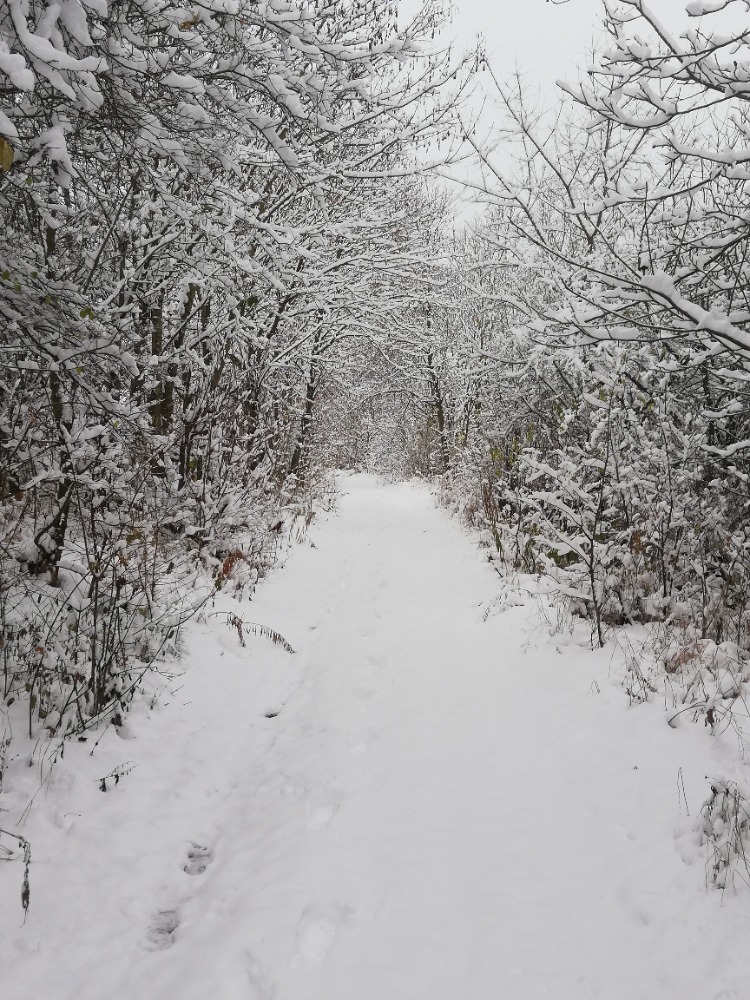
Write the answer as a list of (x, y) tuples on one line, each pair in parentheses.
[(546, 39), (543, 38)]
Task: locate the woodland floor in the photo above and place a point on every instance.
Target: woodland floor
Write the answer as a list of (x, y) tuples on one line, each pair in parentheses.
[(445, 802)]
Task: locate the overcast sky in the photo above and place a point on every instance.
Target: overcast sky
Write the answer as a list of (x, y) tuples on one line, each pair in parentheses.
[(548, 40), (543, 38)]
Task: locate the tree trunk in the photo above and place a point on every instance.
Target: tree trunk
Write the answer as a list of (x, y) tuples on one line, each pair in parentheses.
[(299, 455), (439, 414), (50, 539)]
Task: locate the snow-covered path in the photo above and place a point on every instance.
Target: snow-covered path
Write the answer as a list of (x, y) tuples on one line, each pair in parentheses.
[(438, 807)]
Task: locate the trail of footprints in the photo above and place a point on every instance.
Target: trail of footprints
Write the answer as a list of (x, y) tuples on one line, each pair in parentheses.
[(163, 929), (319, 923)]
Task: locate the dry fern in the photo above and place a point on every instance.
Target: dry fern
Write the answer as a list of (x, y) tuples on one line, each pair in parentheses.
[(244, 628), (252, 628)]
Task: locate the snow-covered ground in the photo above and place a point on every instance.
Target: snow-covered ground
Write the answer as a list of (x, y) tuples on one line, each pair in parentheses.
[(424, 802)]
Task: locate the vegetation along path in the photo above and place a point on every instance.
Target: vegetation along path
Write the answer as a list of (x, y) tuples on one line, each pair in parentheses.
[(432, 799)]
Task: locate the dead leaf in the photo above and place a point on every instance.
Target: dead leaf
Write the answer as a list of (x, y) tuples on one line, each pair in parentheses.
[(6, 155)]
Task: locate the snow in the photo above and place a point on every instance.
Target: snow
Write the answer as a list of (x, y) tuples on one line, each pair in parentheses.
[(14, 66), (183, 81), (436, 797)]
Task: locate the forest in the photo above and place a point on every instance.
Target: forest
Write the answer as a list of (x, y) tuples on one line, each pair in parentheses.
[(245, 242)]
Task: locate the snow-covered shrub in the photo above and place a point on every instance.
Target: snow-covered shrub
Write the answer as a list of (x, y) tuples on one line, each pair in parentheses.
[(75, 650), (708, 681), (606, 486), (725, 822)]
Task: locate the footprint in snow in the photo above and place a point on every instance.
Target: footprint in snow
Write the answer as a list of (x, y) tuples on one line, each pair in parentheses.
[(161, 933), (260, 984), (320, 808), (689, 838), (199, 858), (316, 933)]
